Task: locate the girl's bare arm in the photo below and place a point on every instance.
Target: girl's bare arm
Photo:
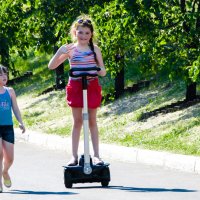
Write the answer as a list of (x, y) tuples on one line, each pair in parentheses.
[(16, 110), (60, 56), (100, 62)]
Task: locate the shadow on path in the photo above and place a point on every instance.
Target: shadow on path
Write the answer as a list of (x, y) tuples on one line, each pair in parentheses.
[(39, 192), (135, 189)]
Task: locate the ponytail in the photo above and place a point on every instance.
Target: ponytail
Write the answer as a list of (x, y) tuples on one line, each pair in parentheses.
[(92, 48)]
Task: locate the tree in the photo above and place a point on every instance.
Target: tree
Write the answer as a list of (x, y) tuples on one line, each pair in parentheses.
[(159, 36), (51, 23), (13, 34), (171, 43), (39, 24), (114, 26)]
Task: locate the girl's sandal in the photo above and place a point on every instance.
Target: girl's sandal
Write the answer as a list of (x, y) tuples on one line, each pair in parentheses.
[(7, 183), (98, 161), (73, 162), (1, 189)]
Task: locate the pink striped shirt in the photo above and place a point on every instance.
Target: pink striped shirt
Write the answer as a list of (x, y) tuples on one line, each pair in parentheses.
[(82, 59)]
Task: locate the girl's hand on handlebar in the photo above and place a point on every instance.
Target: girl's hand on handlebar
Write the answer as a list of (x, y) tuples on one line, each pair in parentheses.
[(102, 72)]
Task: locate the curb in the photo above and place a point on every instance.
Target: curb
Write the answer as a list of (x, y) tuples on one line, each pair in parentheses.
[(166, 160)]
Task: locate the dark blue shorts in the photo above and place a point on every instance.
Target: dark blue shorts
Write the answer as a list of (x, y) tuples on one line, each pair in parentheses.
[(7, 133)]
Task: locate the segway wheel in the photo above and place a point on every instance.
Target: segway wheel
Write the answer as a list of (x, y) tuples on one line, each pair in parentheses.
[(106, 177), (68, 179), (104, 183)]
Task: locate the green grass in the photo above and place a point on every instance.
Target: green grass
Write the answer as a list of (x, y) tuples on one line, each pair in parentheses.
[(119, 121), (177, 139)]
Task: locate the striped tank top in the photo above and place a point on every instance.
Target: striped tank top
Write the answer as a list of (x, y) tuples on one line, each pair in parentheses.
[(81, 59), (5, 108)]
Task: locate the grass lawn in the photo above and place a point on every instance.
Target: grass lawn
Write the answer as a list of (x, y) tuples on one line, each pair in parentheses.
[(119, 121)]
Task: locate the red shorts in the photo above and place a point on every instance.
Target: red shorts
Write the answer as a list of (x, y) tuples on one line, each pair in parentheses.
[(74, 93)]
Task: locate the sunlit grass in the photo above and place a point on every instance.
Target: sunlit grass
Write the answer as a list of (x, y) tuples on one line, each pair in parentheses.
[(119, 121)]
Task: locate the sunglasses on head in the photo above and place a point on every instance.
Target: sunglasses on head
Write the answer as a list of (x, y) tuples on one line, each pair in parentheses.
[(86, 21)]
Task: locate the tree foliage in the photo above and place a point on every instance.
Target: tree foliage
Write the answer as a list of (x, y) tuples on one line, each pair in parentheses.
[(156, 36), (52, 20), (13, 26), (159, 36), (36, 24)]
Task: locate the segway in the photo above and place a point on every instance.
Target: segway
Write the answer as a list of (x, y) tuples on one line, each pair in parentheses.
[(86, 171)]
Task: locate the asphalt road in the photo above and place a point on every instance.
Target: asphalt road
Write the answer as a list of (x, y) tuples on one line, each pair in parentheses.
[(37, 174)]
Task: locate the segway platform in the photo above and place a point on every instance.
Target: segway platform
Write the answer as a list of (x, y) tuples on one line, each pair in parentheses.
[(75, 174)]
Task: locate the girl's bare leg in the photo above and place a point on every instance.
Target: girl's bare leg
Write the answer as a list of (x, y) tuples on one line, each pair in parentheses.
[(94, 131), (8, 158), (77, 117), (1, 162)]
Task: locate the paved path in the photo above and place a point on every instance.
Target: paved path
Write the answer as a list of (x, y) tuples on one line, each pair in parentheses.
[(127, 154), (37, 174)]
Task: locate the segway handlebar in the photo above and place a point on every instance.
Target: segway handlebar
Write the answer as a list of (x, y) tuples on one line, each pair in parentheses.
[(83, 71)]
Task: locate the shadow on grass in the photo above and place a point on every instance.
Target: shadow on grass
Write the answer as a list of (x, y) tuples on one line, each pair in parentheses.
[(44, 98), (179, 105)]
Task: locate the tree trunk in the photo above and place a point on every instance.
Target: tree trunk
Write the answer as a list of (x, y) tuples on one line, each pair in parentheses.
[(119, 83), (60, 78), (5, 57), (191, 91), (191, 87)]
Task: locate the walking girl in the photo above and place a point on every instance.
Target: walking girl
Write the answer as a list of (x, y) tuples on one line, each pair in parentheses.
[(8, 103)]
